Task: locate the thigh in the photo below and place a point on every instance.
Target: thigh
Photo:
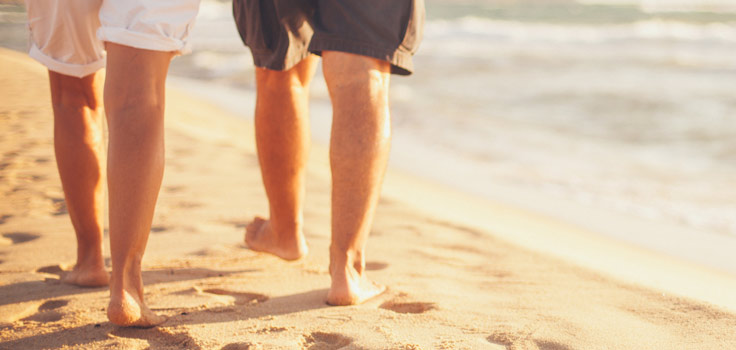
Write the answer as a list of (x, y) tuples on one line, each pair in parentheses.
[(157, 25), (276, 31), (389, 30), (63, 35)]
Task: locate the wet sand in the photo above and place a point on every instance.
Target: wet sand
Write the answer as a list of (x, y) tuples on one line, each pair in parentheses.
[(462, 273)]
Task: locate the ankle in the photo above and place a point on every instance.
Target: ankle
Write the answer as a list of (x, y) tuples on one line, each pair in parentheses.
[(89, 253), (90, 261), (286, 232), (346, 261), (127, 275)]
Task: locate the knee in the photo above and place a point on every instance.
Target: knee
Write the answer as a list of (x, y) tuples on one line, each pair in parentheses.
[(135, 114), (72, 93), (356, 77), (131, 107), (77, 105), (133, 104), (280, 84)]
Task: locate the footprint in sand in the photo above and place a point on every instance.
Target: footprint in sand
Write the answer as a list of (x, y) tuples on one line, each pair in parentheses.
[(52, 270), (17, 238), (375, 265), (214, 299), (183, 151), (174, 189), (523, 340), (188, 205), (500, 340), (47, 311), (59, 205), (53, 304), (11, 313), (270, 330), (215, 250), (240, 224), (241, 346), (241, 298), (57, 270), (550, 345), (325, 341), (470, 232), (38, 177), (157, 338), (159, 229), (4, 218), (403, 307)]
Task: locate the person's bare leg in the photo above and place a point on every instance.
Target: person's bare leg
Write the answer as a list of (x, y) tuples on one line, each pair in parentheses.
[(77, 104), (359, 149), (282, 137), (134, 102)]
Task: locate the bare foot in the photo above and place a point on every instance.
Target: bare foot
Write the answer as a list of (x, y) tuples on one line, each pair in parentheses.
[(260, 237), (352, 288), (86, 276), (126, 310)]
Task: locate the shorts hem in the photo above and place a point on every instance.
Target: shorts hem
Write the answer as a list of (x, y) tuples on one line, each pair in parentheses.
[(71, 69), (401, 61), (143, 41)]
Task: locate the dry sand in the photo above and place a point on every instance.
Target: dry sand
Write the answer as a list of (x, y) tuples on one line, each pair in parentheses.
[(453, 285)]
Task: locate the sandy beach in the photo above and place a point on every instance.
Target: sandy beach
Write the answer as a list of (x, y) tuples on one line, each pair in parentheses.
[(462, 273)]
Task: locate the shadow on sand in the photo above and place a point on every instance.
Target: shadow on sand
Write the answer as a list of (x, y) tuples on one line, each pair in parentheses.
[(53, 288), (160, 338)]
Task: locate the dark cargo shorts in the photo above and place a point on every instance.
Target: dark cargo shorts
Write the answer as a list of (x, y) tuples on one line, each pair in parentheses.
[(281, 33)]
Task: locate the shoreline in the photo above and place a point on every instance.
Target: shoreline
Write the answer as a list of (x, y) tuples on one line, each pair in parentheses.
[(707, 250), (571, 242)]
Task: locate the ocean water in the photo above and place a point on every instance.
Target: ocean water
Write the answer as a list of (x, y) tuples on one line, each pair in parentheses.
[(626, 106), (632, 116)]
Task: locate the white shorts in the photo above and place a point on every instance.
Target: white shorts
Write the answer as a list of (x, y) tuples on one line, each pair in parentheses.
[(67, 36)]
